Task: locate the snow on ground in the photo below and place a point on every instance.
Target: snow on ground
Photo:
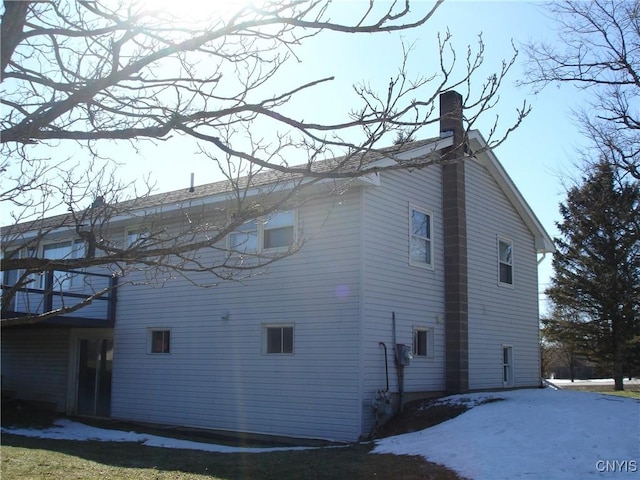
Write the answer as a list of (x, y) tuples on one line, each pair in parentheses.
[(533, 434), (530, 434), (64, 429)]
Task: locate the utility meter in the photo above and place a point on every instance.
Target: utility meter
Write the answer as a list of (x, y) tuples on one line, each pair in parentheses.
[(403, 354)]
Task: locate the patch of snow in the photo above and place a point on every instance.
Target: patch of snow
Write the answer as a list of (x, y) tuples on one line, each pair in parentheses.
[(532, 434), (64, 429)]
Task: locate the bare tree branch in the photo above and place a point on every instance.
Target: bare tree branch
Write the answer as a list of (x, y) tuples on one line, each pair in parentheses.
[(599, 52), (89, 72)]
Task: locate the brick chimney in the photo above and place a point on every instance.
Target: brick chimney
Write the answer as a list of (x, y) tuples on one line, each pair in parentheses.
[(455, 246)]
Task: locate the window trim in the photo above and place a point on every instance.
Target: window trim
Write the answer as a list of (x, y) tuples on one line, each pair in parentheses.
[(135, 228), (260, 234), (233, 249), (265, 338), (501, 239), (429, 214), (261, 231), (429, 341), (150, 332)]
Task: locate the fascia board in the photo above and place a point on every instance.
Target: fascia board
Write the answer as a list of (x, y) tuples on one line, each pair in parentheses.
[(372, 179), (486, 157), (424, 150)]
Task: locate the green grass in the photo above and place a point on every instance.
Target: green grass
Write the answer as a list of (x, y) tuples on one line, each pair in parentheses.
[(33, 458), (30, 458), (630, 391), (625, 393)]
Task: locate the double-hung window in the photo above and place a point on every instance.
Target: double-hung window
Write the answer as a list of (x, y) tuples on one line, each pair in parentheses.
[(275, 231), (245, 238), (420, 238), (136, 237), (505, 262)]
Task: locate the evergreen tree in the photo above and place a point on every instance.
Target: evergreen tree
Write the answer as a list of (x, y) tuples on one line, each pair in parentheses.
[(596, 284)]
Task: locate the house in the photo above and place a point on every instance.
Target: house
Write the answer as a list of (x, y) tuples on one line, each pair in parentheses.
[(413, 283)]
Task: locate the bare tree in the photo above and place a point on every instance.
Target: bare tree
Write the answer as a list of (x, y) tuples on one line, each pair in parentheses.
[(598, 50), (90, 72)]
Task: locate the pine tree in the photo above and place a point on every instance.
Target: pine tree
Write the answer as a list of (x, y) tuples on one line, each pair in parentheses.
[(597, 270)]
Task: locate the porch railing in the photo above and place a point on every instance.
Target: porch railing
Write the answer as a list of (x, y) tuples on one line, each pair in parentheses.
[(63, 290)]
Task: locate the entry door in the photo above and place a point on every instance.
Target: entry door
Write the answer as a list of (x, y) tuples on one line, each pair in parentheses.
[(95, 363)]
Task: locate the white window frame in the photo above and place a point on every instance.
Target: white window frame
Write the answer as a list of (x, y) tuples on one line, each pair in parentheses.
[(265, 338), (429, 342), (262, 226), (150, 332), (507, 366), (139, 231), (428, 238), (247, 229), (509, 242)]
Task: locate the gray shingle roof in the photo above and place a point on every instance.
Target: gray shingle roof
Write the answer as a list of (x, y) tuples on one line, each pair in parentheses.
[(345, 163)]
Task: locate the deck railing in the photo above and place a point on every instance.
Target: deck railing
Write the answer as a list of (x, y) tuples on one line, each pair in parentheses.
[(63, 290)]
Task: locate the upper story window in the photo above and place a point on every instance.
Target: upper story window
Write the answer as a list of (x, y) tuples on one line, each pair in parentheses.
[(272, 232), (245, 238), (136, 237), (66, 250), (505, 262), (10, 277), (278, 230), (420, 238)]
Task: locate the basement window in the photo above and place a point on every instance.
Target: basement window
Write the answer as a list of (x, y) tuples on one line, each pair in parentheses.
[(422, 342), (278, 339), (159, 341)]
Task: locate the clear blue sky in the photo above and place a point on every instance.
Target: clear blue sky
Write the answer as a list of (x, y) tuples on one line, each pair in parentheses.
[(539, 156)]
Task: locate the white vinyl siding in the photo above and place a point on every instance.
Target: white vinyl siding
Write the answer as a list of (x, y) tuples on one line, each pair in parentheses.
[(391, 285), (217, 375), (35, 364), (499, 316)]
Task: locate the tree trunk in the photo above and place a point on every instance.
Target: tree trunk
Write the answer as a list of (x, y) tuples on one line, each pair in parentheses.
[(13, 20), (618, 377)]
